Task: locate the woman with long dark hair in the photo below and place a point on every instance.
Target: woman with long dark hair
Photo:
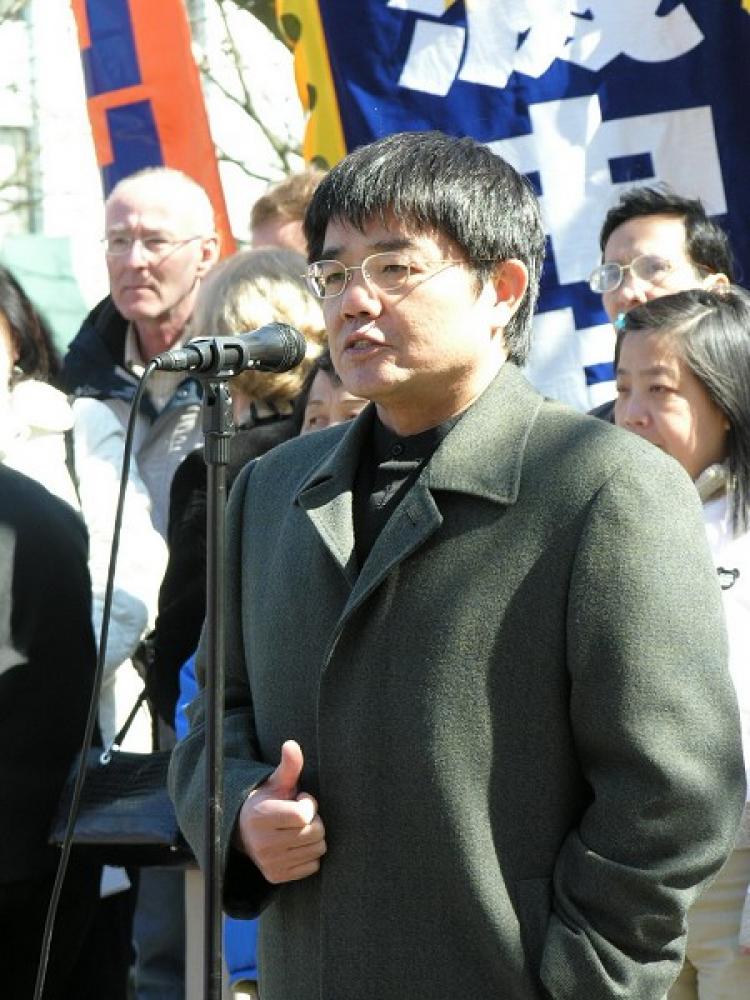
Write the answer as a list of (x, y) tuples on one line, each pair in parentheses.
[(683, 383), (37, 420), (73, 448)]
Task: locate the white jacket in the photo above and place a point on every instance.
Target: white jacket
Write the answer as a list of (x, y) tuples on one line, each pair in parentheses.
[(34, 423), (732, 559), (141, 561), (35, 419)]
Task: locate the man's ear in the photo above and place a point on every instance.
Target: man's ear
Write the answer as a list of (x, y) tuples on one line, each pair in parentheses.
[(510, 282), (713, 281), (209, 254)]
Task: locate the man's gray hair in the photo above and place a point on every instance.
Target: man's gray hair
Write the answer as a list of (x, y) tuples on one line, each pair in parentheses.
[(178, 187)]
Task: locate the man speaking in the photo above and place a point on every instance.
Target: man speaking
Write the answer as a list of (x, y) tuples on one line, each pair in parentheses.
[(480, 737)]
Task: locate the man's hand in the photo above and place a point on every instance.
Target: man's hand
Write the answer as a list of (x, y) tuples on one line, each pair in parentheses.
[(279, 829)]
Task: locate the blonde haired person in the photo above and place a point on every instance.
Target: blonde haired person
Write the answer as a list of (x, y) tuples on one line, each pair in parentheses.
[(247, 291), (244, 292)]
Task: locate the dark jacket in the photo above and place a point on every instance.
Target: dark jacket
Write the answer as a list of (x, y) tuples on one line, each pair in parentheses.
[(94, 363), (182, 598), (94, 367), (47, 662), (516, 716)]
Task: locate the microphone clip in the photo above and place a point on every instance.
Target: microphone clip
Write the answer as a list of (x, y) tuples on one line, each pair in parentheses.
[(215, 356)]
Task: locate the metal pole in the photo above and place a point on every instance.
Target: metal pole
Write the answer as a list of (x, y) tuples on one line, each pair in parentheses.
[(218, 428)]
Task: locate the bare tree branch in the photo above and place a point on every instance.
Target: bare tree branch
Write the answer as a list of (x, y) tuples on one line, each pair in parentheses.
[(263, 11), (221, 154), (237, 89), (10, 9), (280, 148)]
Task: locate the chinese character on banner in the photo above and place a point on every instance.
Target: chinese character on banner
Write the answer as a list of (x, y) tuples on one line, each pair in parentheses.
[(145, 101), (585, 97)]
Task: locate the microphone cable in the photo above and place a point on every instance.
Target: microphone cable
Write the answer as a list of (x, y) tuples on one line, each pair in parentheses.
[(93, 711)]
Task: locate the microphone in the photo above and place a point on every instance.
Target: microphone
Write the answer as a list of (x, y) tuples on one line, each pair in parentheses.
[(275, 347)]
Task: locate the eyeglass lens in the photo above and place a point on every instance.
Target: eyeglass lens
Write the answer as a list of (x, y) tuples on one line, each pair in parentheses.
[(153, 246), (650, 268), (387, 271)]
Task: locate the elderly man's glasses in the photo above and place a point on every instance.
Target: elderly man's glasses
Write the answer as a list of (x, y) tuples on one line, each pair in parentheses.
[(648, 268), (154, 247), (387, 272)]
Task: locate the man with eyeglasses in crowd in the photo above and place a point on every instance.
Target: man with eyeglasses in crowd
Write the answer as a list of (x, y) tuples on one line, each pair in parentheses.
[(160, 241), (464, 755), (655, 242)]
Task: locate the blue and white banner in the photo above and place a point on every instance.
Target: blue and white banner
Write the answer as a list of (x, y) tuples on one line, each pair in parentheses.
[(586, 98)]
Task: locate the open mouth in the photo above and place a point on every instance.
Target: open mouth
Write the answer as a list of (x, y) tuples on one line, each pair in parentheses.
[(362, 344)]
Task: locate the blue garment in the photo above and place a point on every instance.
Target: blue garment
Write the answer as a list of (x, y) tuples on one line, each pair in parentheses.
[(240, 936)]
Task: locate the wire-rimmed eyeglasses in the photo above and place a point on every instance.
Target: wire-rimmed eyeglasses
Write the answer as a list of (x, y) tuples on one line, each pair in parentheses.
[(387, 271), (154, 247), (650, 268)]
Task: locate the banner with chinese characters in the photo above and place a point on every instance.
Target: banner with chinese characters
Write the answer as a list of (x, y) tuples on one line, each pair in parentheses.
[(585, 98), (145, 102)]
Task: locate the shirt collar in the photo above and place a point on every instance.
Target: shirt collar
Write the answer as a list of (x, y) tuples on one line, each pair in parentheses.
[(412, 448)]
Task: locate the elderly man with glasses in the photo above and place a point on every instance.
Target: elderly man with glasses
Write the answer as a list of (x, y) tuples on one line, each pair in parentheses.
[(464, 755), (655, 242), (159, 243)]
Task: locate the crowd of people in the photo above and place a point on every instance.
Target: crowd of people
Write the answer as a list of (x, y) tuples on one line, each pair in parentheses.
[(486, 659)]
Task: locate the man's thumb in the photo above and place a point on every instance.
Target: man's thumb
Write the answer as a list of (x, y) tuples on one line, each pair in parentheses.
[(286, 776)]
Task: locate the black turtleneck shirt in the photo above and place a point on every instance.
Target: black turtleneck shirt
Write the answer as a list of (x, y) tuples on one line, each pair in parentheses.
[(388, 467)]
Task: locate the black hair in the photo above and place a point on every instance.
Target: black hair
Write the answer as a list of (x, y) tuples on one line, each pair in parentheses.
[(711, 330), (31, 336), (706, 242), (438, 183), (323, 363)]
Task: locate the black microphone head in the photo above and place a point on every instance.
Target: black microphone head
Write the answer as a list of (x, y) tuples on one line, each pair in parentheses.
[(289, 347)]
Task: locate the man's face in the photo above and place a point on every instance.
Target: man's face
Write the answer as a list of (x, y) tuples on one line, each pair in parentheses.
[(650, 235), (285, 233), (150, 286), (425, 351)]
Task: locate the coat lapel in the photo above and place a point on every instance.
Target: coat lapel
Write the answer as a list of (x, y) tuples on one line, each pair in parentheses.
[(483, 454), (326, 495), (411, 524)]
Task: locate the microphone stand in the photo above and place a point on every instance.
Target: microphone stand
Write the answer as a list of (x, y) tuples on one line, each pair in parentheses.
[(218, 428), (276, 347)]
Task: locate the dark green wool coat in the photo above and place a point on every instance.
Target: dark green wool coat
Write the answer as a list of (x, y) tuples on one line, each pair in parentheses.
[(516, 717)]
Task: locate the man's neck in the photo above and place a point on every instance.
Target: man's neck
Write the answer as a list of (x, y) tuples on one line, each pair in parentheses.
[(419, 415), (155, 336)]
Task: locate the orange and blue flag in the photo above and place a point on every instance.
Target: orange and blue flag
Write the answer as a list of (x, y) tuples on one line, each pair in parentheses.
[(145, 102)]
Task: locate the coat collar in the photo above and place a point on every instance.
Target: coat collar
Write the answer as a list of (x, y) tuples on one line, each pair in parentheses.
[(482, 456)]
